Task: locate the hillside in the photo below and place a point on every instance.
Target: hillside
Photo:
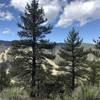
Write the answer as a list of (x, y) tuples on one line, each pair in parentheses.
[(5, 47)]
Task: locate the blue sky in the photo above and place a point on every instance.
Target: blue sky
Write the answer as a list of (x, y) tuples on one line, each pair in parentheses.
[(84, 15)]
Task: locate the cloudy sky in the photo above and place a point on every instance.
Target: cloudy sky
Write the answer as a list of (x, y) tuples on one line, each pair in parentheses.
[(84, 15)]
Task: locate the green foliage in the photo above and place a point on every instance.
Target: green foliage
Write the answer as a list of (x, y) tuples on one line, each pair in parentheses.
[(93, 73), (4, 77), (80, 93), (15, 93), (74, 57), (93, 65), (87, 93), (31, 69), (30, 52), (83, 93)]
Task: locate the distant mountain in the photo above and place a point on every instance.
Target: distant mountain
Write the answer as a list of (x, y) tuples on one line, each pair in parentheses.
[(4, 45)]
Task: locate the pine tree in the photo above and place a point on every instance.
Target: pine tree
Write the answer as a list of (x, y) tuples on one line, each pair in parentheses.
[(74, 56), (30, 51), (93, 72), (94, 76)]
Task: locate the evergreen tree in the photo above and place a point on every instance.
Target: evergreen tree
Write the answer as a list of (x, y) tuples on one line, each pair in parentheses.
[(74, 56), (94, 76), (93, 72), (30, 51)]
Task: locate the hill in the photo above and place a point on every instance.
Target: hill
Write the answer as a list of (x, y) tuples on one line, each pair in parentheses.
[(5, 47)]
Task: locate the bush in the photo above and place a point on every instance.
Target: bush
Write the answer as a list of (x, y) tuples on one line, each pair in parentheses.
[(15, 93), (83, 93), (86, 93)]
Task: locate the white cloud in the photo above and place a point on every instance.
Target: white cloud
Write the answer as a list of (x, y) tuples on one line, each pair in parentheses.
[(6, 16), (19, 4), (80, 11), (6, 31), (52, 8)]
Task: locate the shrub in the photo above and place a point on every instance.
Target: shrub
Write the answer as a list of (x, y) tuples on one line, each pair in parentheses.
[(86, 93), (83, 93), (15, 93)]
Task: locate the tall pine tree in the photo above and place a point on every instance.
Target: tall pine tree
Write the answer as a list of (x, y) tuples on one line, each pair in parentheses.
[(74, 56), (30, 51)]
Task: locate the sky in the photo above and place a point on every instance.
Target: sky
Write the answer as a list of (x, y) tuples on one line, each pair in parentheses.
[(84, 15)]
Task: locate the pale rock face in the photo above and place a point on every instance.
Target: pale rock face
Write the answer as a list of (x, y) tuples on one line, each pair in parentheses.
[(4, 55), (55, 67), (12, 81), (7, 71)]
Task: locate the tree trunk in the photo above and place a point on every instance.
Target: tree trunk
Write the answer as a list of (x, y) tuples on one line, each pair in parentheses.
[(94, 77), (33, 66), (73, 77), (73, 71)]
